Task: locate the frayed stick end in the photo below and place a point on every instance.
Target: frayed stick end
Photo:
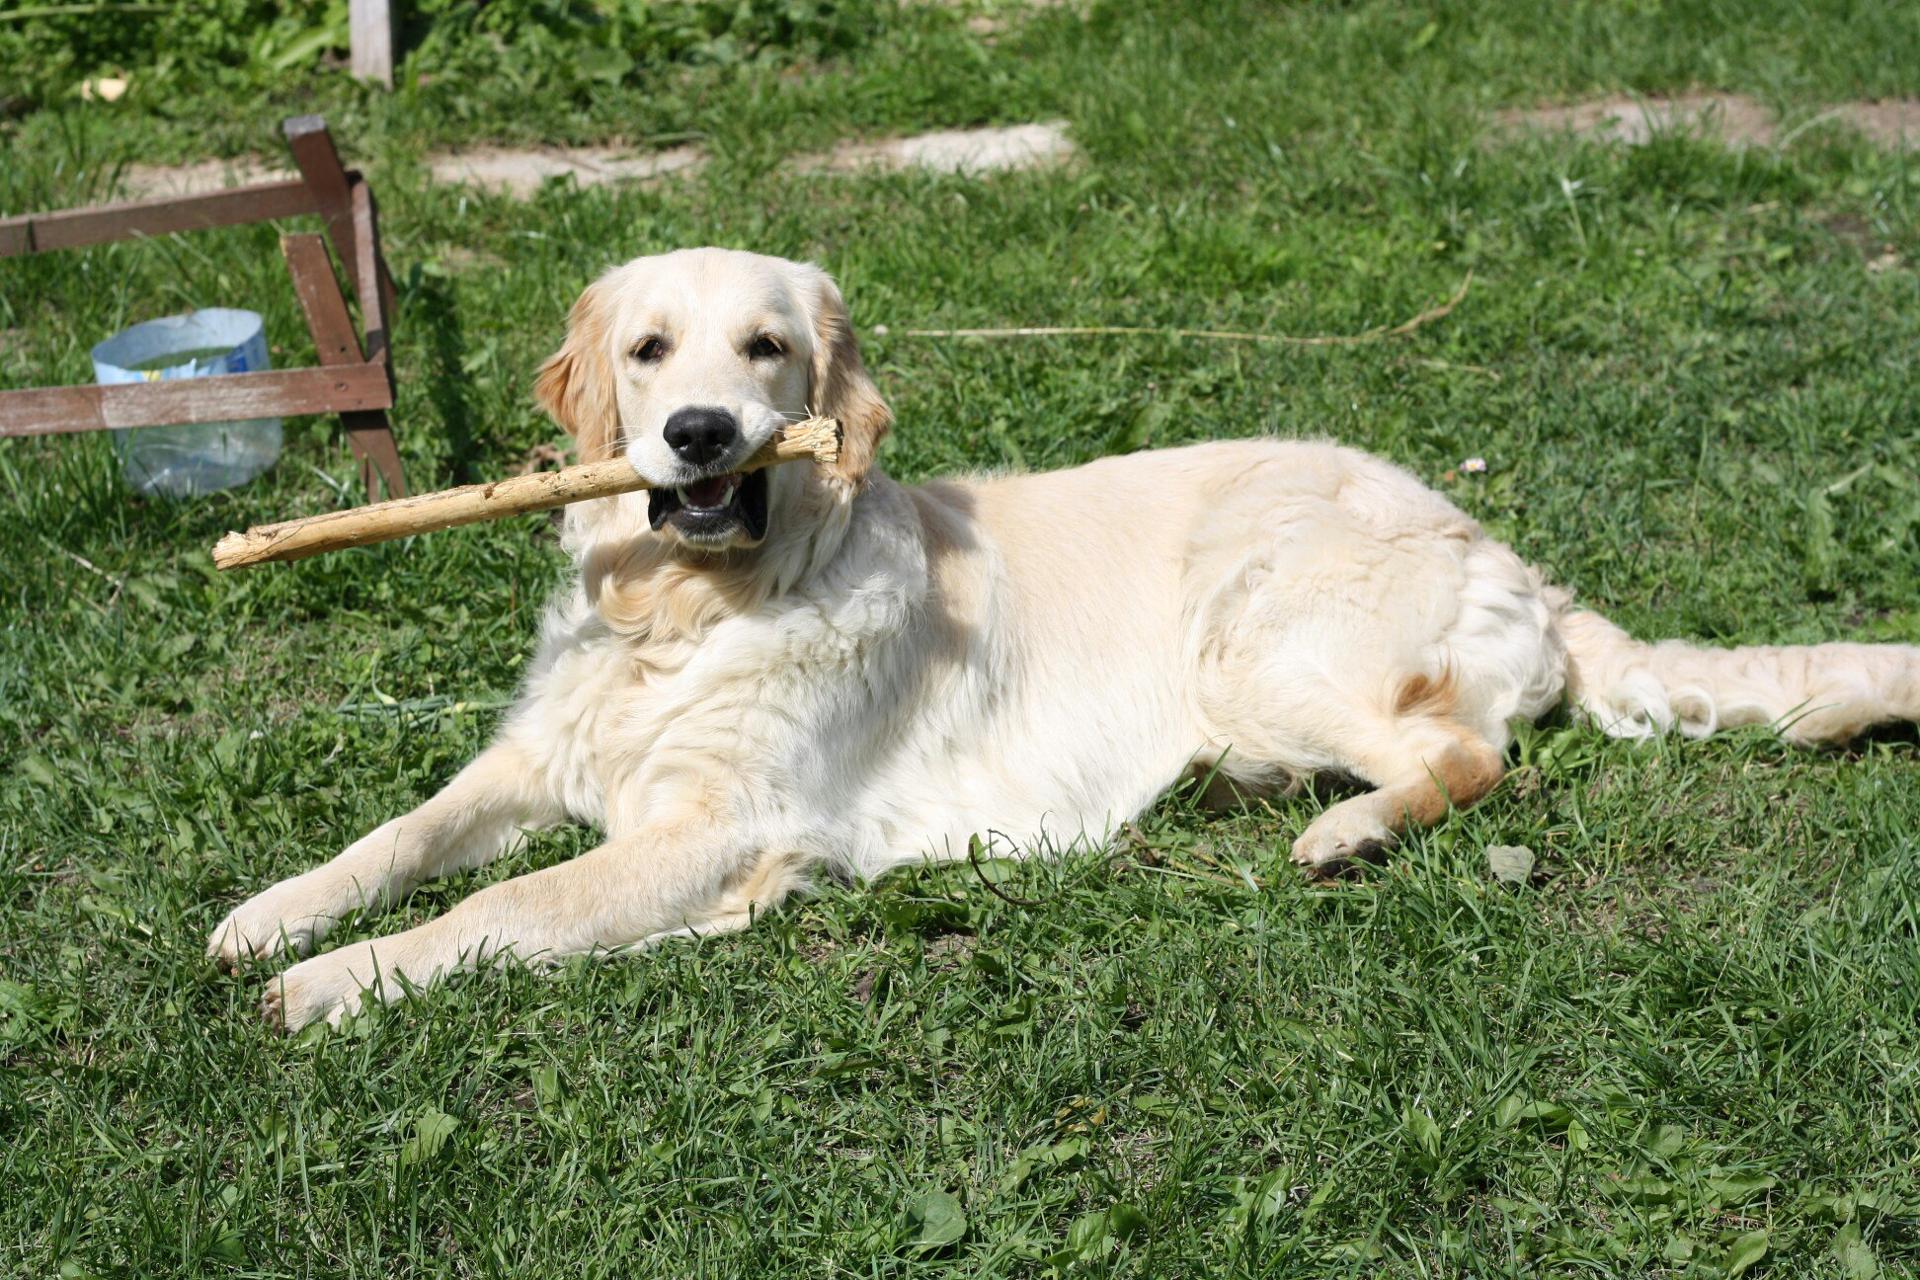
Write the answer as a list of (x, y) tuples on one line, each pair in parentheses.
[(815, 438)]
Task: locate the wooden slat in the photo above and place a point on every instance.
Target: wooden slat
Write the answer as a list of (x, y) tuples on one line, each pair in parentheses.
[(319, 163), (375, 289), (103, 223), (369, 433), (282, 393), (320, 301), (369, 283)]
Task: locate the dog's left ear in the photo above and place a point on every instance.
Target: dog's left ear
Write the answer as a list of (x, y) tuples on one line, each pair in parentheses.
[(842, 388)]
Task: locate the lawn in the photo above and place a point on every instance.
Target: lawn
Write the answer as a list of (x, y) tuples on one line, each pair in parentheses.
[(1688, 1045)]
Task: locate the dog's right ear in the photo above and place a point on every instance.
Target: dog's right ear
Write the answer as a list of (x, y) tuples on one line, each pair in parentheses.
[(575, 385)]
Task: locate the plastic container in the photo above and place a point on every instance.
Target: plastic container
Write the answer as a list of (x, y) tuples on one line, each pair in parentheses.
[(187, 461)]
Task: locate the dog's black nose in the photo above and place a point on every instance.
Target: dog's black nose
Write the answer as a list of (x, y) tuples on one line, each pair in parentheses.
[(700, 435)]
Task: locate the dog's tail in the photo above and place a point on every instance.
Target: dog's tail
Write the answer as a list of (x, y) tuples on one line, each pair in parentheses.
[(1811, 693)]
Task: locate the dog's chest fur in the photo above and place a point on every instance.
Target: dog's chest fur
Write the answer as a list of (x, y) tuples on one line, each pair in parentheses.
[(757, 713)]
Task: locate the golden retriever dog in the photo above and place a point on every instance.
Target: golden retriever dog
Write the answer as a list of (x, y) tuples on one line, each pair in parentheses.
[(753, 677)]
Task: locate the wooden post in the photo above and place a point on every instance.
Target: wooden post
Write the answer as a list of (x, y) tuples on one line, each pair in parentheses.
[(319, 163), (368, 430), (371, 283), (372, 41)]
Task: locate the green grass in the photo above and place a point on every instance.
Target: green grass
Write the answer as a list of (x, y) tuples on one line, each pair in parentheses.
[(1697, 1029)]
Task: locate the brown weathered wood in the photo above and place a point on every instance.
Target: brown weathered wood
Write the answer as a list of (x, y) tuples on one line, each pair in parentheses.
[(816, 438), (374, 287), (355, 382), (369, 433), (366, 231), (370, 284), (319, 163), (280, 393), (319, 293), (371, 41), (163, 215)]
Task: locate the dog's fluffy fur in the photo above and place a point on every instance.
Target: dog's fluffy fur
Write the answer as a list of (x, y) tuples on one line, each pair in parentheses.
[(1031, 660)]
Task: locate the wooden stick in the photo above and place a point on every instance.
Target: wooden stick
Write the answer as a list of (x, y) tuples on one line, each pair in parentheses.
[(816, 438)]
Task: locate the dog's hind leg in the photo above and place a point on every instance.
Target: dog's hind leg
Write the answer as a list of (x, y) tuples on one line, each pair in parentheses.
[(1420, 767), (472, 820), (1406, 680), (1414, 743)]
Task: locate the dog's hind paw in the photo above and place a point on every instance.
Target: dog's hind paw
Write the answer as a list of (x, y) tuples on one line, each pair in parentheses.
[(1341, 837)]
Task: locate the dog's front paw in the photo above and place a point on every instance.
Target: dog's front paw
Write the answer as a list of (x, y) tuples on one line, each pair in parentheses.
[(328, 987), (1340, 837), (286, 919)]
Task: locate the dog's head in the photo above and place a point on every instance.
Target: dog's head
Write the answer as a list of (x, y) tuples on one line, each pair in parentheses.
[(688, 362)]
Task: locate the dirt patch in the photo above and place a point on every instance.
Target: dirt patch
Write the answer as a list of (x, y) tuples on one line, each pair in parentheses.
[(1733, 118), (142, 181), (1857, 234), (973, 151), (1637, 121), (522, 171), (949, 951), (970, 151), (1853, 230), (991, 20), (1891, 124)]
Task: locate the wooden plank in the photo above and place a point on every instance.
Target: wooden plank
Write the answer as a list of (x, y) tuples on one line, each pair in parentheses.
[(371, 35), (282, 393), (370, 282), (319, 163), (375, 289), (320, 300), (369, 433), (162, 215)]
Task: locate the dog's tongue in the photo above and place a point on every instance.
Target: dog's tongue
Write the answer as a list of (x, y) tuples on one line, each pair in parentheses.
[(709, 493)]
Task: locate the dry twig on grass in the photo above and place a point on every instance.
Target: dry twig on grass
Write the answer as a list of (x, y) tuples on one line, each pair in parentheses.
[(1219, 335)]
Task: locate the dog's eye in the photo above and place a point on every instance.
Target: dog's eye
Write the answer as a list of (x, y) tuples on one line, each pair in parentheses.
[(651, 351), (765, 347)]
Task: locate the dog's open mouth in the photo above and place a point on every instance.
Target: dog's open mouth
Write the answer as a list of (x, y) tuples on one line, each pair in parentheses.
[(712, 510)]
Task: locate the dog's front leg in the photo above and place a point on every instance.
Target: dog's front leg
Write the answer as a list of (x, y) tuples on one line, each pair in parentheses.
[(472, 820), (656, 881)]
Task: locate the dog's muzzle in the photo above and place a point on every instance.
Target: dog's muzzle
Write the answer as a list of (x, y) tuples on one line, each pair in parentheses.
[(712, 509)]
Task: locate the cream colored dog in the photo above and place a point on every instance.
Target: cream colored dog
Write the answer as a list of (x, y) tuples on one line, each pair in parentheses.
[(751, 677)]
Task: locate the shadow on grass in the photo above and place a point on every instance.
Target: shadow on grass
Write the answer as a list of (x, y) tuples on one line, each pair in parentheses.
[(434, 318)]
